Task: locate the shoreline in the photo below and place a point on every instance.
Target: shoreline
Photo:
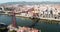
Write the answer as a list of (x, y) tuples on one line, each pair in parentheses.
[(47, 20)]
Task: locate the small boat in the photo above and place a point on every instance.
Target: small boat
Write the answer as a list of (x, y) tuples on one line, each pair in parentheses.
[(2, 25)]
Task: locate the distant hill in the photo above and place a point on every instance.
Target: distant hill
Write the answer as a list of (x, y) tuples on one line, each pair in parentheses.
[(31, 3)]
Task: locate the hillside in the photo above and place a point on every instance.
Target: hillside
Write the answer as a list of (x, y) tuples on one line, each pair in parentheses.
[(30, 3)]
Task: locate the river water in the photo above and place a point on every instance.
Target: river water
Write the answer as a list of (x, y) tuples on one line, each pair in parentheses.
[(24, 21)]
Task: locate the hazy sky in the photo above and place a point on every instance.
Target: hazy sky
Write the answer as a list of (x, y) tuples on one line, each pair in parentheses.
[(4, 1)]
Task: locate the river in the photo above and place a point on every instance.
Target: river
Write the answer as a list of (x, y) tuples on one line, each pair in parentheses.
[(24, 21)]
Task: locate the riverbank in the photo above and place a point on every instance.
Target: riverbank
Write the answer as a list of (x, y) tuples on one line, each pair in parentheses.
[(29, 17), (46, 20)]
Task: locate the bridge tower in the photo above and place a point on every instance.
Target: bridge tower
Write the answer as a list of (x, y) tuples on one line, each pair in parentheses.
[(14, 24)]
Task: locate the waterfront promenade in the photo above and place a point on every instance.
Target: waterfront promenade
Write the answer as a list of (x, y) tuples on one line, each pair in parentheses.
[(29, 17)]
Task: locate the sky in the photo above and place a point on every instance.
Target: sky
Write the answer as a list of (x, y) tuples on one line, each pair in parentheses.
[(5, 1)]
